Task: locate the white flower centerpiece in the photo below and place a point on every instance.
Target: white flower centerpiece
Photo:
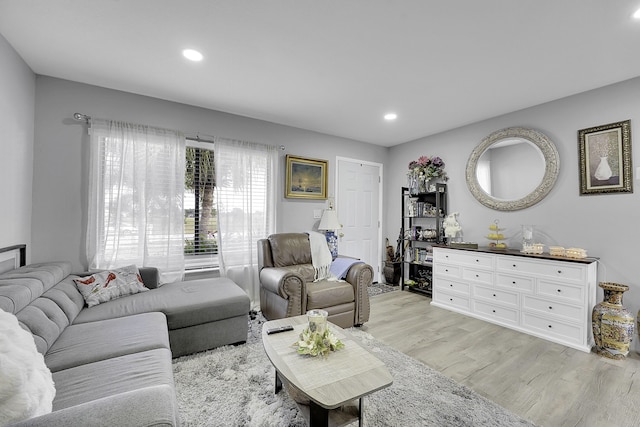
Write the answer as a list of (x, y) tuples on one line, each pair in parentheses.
[(317, 339)]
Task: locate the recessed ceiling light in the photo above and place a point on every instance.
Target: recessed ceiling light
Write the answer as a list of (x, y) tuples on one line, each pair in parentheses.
[(390, 116), (192, 55), (637, 14)]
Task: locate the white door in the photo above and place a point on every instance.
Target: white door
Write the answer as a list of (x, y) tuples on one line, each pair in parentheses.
[(358, 204)]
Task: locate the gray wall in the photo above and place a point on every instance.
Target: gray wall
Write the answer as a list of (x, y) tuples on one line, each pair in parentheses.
[(59, 193), (17, 95), (608, 226)]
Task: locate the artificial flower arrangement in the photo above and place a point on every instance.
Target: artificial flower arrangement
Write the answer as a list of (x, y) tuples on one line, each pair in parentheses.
[(315, 343), (429, 167)]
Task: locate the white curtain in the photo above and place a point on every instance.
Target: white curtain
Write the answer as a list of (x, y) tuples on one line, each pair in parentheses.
[(136, 189), (246, 177)]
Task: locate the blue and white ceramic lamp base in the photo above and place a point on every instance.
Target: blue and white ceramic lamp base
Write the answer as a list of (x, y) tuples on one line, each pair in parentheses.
[(332, 242)]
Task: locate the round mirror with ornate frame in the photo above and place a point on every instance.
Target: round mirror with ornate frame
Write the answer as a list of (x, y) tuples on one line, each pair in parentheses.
[(548, 166)]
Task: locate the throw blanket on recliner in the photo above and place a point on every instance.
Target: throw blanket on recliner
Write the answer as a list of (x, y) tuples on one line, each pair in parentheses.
[(341, 266), (320, 256)]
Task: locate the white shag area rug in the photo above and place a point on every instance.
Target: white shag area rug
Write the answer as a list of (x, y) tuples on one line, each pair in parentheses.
[(234, 386)]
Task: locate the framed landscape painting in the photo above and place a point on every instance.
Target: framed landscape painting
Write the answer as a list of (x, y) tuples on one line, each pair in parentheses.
[(306, 178), (605, 159)]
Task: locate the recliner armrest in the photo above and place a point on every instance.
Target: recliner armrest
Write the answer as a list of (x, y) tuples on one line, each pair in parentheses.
[(282, 281), (360, 276), (288, 285)]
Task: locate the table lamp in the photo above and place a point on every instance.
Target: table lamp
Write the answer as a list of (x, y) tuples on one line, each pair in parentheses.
[(329, 223)]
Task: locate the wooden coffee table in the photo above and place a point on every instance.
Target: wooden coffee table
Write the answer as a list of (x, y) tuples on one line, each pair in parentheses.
[(331, 383)]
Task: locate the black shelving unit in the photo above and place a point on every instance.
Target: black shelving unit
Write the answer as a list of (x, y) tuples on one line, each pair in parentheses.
[(422, 226)]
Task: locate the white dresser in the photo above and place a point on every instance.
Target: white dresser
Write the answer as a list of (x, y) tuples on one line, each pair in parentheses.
[(549, 297)]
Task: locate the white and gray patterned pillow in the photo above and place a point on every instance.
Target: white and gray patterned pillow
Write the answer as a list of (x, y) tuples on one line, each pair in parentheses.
[(110, 284)]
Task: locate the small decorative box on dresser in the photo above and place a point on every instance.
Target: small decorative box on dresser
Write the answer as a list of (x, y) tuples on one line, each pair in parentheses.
[(549, 297)]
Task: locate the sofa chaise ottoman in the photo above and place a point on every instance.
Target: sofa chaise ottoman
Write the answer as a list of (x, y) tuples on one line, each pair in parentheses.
[(111, 363), (201, 314)]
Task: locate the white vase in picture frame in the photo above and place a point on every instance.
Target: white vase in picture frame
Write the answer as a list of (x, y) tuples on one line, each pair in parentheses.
[(603, 171)]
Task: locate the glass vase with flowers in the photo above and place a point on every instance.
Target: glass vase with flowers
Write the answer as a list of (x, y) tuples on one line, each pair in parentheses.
[(424, 170)]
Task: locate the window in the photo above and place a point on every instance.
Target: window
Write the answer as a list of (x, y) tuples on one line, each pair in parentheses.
[(200, 218)]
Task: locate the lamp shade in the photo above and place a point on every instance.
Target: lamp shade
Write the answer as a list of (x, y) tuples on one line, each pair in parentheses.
[(329, 220)]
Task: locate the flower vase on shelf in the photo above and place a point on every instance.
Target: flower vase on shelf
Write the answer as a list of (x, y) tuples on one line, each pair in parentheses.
[(423, 173), (412, 183), (613, 325), (423, 184)]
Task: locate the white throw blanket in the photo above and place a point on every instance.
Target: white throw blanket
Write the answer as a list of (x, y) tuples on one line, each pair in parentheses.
[(320, 256), (26, 385)]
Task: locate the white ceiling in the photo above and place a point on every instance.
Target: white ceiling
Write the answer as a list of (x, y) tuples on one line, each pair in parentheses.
[(335, 66)]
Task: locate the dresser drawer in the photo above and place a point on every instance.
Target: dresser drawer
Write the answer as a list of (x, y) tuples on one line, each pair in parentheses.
[(495, 295), (553, 308), (547, 326), (520, 283), (463, 257), (480, 276), (447, 270), (495, 312), (561, 291), (555, 269), (451, 299), (448, 285)]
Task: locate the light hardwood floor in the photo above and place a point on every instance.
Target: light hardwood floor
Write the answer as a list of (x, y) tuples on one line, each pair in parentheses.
[(546, 383)]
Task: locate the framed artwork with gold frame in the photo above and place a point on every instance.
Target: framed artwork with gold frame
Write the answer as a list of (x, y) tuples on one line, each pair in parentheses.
[(306, 178), (605, 159)]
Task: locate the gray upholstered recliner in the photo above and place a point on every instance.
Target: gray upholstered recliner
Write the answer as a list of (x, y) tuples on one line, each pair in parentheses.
[(287, 288)]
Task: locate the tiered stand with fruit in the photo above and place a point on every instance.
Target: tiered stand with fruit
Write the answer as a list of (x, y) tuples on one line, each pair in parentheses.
[(496, 236)]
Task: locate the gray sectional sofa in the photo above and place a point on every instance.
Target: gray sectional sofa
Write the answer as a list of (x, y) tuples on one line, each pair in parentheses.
[(111, 363)]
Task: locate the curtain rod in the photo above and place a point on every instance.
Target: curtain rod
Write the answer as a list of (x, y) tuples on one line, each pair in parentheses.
[(86, 118), (198, 139), (81, 117)]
